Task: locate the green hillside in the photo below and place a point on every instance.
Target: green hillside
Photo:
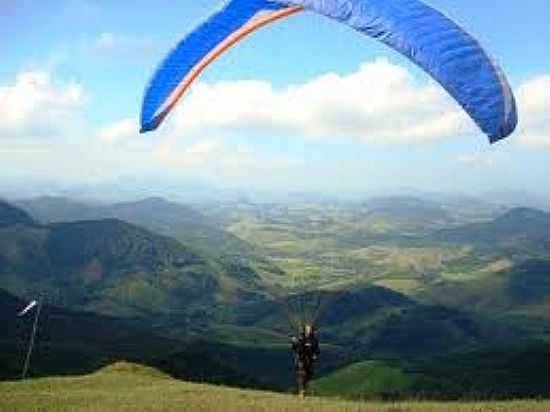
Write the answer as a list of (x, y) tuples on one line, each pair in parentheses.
[(108, 266), (499, 372), (505, 272), (375, 321), (493, 265), (126, 387), (405, 214), (71, 342), (160, 216), (234, 260), (116, 268), (517, 224), (367, 380)]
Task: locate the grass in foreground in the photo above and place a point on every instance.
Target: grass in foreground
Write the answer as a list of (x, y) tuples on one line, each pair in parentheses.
[(127, 387)]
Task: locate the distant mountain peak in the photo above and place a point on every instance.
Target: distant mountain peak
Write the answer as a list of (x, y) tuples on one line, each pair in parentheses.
[(11, 215), (117, 244), (153, 200), (525, 213), (519, 223)]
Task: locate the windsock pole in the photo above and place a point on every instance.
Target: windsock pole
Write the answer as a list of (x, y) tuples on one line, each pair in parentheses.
[(31, 341)]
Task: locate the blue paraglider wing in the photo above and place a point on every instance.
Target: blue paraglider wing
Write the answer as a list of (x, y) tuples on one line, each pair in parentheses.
[(440, 47), (201, 47), (422, 34)]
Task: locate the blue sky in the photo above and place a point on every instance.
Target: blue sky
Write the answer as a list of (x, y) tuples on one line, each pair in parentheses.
[(74, 71)]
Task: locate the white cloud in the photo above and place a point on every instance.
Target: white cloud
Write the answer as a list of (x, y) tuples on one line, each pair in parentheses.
[(380, 103), (23, 150), (113, 45), (198, 154), (216, 158), (119, 131), (534, 110), (36, 107), (482, 159)]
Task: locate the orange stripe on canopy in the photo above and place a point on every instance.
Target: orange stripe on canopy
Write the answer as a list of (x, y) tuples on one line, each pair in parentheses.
[(253, 25)]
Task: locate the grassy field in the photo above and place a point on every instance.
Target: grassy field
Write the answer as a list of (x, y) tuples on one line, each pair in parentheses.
[(127, 387)]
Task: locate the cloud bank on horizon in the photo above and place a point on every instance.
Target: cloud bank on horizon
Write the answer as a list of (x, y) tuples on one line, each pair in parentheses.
[(204, 136)]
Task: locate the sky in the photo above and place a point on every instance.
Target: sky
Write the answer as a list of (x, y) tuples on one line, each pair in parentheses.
[(268, 114)]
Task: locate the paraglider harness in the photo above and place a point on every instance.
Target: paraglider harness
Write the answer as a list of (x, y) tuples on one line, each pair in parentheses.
[(306, 351)]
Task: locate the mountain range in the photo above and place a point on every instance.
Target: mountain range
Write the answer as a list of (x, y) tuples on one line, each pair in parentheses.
[(190, 278)]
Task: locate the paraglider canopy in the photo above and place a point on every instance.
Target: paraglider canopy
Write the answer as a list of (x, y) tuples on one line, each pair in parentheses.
[(424, 35)]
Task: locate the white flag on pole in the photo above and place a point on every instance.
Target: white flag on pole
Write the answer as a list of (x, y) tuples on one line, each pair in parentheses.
[(28, 308)]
